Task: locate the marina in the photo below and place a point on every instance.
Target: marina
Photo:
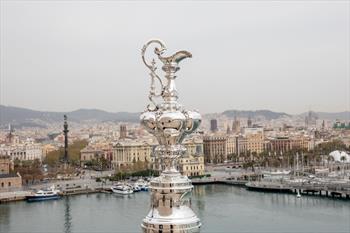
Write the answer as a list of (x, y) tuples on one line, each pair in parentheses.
[(222, 208), (335, 188)]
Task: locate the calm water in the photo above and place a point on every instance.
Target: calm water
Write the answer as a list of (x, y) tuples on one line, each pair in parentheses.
[(221, 209)]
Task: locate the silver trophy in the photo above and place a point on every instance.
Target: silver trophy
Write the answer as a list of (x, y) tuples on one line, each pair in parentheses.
[(169, 123)]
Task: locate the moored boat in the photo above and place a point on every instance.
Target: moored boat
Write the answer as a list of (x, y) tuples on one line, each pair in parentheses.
[(44, 195), (136, 188), (122, 189), (142, 185)]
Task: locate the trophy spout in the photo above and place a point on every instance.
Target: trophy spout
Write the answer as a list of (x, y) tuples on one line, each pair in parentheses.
[(175, 58)]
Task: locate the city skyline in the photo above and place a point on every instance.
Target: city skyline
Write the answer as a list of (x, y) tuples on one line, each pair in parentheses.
[(96, 128), (287, 57)]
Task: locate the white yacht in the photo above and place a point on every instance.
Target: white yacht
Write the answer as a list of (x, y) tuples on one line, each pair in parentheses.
[(136, 188), (122, 189), (44, 194), (142, 185)]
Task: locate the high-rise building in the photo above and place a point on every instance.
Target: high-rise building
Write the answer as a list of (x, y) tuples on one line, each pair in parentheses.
[(228, 130), (249, 122), (122, 132), (310, 119), (213, 125), (236, 127)]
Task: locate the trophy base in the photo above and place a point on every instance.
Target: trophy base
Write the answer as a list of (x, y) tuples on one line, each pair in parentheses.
[(181, 220), (171, 205)]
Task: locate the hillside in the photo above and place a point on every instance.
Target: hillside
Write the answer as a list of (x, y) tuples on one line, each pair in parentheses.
[(28, 117), (267, 114)]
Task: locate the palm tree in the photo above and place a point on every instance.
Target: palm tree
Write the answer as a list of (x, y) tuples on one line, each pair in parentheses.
[(330, 159), (343, 158)]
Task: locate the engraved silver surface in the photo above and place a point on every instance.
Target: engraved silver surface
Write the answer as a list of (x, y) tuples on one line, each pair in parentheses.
[(169, 122)]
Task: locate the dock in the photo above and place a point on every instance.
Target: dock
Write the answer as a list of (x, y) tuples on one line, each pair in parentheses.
[(204, 181), (267, 186), (336, 190), (330, 189), (13, 196)]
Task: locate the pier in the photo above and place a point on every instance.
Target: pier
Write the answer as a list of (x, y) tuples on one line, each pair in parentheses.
[(329, 189), (333, 189), (204, 181), (13, 196), (340, 190)]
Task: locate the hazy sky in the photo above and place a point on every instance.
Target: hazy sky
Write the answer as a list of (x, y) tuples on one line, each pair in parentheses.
[(65, 55)]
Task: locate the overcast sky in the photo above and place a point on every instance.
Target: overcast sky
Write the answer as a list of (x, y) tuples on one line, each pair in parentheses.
[(65, 55)]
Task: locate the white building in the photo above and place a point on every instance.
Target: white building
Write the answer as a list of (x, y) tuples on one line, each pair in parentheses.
[(126, 152), (25, 151), (337, 156)]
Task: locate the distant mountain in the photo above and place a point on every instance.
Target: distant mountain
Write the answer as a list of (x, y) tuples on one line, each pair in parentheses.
[(344, 116), (20, 117), (26, 117), (267, 114), (99, 115)]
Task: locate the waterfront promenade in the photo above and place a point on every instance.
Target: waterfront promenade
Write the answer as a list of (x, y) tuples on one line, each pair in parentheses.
[(219, 175), (222, 208)]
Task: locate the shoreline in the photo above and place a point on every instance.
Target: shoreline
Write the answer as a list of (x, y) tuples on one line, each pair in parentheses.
[(21, 195)]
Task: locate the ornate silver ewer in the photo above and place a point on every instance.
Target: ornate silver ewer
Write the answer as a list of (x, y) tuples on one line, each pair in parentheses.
[(169, 123)]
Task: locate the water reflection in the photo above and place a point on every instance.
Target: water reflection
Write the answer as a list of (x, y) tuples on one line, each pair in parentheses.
[(4, 217), (197, 198), (221, 208), (67, 216)]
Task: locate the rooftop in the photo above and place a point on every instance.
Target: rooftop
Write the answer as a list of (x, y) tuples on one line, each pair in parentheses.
[(7, 175)]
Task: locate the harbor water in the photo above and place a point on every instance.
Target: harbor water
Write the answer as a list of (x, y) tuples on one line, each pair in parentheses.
[(222, 208)]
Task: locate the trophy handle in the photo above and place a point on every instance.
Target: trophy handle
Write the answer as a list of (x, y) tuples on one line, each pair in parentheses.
[(152, 67)]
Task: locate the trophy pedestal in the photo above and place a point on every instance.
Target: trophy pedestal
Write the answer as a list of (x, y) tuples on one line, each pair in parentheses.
[(171, 206)]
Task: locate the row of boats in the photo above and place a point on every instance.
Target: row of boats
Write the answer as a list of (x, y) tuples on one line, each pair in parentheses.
[(52, 193), (125, 189)]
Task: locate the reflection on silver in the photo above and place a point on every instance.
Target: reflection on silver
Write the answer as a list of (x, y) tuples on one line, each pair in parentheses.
[(169, 123)]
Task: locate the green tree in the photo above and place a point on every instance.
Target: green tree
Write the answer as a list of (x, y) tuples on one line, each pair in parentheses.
[(342, 159), (328, 147), (54, 158), (29, 170)]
